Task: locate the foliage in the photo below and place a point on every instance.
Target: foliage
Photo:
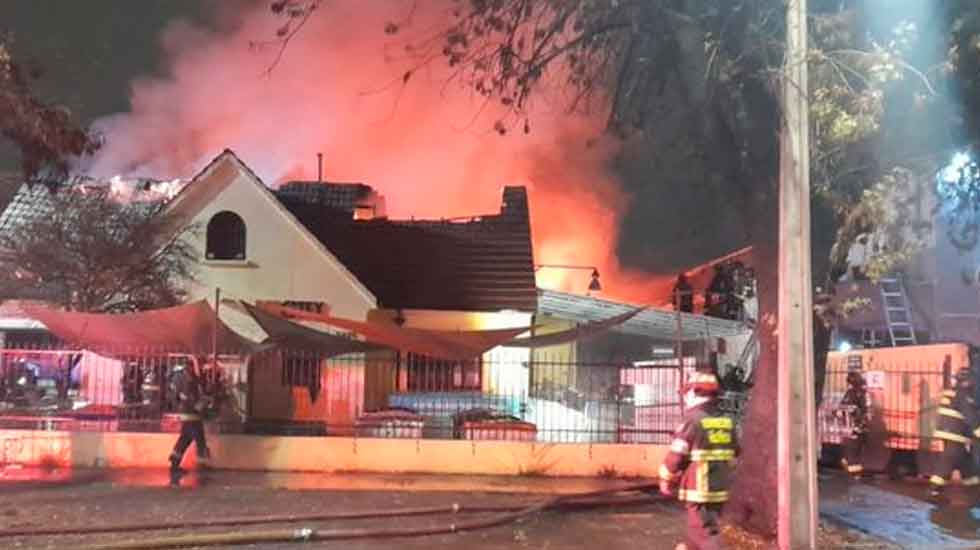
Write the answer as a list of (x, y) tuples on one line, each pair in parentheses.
[(958, 191), (963, 62), (98, 253), (868, 180), (45, 135)]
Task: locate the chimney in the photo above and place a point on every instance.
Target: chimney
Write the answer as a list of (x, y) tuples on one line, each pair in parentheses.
[(371, 207), (319, 167), (514, 206)]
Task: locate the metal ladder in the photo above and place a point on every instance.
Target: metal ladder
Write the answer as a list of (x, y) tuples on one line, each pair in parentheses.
[(897, 314)]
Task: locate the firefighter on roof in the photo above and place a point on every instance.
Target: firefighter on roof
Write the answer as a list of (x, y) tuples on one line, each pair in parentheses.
[(698, 466), (956, 427), (855, 410)]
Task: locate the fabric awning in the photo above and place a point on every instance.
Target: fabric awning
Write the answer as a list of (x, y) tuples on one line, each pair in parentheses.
[(581, 332), (285, 333), (452, 345), (190, 328)]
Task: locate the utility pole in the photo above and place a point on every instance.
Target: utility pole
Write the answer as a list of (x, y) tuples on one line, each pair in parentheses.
[(797, 487)]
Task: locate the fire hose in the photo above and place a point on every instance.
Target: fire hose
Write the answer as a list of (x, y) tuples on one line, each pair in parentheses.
[(505, 514)]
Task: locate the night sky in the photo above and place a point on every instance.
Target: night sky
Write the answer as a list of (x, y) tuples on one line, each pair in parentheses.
[(91, 50)]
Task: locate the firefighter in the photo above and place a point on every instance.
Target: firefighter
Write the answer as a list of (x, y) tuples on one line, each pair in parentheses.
[(956, 426), (855, 410), (191, 405), (697, 468), (716, 294), (683, 298)]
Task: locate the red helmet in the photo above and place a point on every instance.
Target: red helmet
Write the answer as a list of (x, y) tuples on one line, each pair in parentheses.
[(703, 383)]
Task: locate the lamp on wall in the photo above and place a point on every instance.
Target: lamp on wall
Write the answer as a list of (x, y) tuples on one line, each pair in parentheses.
[(594, 284), (399, 317)]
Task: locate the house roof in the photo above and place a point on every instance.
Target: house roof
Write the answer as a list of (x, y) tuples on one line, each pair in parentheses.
[(33, 200), (479, 264), (657, 324), (218, 175), (28, 204), (344, 197)]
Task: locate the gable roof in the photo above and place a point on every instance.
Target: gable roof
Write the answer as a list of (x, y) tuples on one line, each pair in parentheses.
[(480, 264), (196, 195)]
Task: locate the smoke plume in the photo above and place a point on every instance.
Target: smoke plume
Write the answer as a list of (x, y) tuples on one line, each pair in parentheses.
[(428, 146)]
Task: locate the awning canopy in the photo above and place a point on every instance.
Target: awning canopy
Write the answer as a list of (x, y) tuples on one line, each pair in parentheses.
[(191, 328), (284, 333), (451, 345), (580, 332)]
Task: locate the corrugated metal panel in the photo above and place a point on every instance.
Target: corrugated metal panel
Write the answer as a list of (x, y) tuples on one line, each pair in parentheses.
[(657, 324)]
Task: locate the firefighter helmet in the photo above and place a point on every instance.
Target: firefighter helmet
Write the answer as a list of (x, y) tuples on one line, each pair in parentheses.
[(703, 383), (854, 378)]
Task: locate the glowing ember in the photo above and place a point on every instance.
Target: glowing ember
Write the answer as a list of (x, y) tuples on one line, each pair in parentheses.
[(418, 145)]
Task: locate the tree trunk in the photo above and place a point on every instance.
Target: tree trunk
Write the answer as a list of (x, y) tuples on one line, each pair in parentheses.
[(821, 345), (753, 503)]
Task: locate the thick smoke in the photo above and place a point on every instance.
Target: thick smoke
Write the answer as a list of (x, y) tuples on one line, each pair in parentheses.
[(427, 146)]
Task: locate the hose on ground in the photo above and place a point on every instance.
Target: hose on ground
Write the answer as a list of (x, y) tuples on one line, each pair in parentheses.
[(505, 514)]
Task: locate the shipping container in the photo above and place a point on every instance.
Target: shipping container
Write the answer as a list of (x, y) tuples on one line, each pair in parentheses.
[(905, 384)]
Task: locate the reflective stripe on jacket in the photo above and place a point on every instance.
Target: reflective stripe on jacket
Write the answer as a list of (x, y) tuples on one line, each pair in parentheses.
[(701, 455), (956, 418)]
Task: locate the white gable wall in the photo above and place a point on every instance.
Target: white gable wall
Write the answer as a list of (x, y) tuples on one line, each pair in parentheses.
[(283, 261)]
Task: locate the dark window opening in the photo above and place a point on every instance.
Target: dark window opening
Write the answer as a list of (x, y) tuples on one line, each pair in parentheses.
[(302, 371), (427, 374), (226, 237)]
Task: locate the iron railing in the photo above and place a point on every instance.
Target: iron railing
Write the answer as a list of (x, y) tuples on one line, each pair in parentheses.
[(508, 394)]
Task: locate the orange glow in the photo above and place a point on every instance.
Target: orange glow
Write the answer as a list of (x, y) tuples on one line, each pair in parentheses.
[(338, 91)]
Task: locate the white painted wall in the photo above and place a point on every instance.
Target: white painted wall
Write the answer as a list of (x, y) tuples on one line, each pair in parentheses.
[(283, 261)]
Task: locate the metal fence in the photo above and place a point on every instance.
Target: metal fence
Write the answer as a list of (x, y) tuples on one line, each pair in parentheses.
[(509, 394), (904, 398)]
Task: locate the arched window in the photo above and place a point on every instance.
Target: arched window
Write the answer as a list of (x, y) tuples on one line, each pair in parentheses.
[(226, 237)]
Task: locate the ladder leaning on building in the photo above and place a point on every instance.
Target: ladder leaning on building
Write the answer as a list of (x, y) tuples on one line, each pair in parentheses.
[(898, 315)]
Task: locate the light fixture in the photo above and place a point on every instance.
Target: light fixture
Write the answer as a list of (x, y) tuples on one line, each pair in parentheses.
[(399, 317), (844, 347)]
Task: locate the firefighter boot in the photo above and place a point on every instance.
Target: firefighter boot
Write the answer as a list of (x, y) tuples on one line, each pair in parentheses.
[(936, 493), (175, 463)]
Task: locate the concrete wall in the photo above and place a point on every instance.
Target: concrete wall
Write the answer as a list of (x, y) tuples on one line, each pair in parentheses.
[(332, 454)]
